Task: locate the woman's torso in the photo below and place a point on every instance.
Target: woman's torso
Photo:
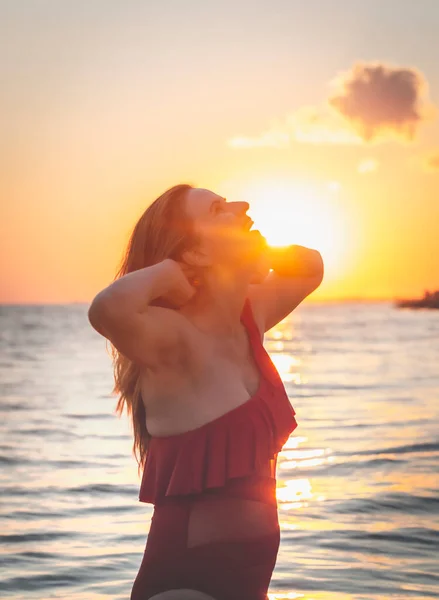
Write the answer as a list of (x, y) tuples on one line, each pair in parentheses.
[(210, 470), (214, 376)]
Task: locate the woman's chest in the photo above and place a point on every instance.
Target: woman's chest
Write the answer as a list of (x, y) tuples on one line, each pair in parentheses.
[(231, 367), (217, 378)]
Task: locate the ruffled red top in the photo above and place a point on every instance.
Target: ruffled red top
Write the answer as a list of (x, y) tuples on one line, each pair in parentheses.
[(239, 443)]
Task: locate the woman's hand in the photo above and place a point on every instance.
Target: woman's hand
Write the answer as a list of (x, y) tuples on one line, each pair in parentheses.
[(295, 261), (182, 283)]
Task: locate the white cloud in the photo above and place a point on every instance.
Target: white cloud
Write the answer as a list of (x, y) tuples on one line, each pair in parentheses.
[(308, 125), (269, 139), (371, 103)]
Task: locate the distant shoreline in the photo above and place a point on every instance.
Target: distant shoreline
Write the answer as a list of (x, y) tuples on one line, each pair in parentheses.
[(306, 301)]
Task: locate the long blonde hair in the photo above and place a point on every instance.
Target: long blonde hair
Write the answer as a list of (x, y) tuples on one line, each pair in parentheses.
[(163, 231)]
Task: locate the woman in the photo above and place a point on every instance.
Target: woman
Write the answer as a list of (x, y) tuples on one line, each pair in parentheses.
[(186, 316)]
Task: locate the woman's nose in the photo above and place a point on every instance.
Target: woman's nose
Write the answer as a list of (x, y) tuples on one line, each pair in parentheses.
[(241, 207)]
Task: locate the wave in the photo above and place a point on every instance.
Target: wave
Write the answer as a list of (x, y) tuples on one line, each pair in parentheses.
[(6, 406), (406, 449), (12, 538), (41, 431), (88, 417), (339, 469), (389, 503), (102, 488), (93, 489)]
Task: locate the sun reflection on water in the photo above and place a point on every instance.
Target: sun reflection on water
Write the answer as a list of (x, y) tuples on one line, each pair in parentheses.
[(286, 364), (294, 493), (312, 596), (305, 459), (293, 442), (285, 596)]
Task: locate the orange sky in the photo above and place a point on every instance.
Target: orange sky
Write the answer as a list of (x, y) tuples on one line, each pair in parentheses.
[(106, 111)]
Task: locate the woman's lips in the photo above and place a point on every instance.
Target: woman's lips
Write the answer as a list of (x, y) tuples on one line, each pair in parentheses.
[(248, 224)]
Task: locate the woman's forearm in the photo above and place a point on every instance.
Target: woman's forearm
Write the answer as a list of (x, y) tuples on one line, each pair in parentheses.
[(136, 290), (296, 261)]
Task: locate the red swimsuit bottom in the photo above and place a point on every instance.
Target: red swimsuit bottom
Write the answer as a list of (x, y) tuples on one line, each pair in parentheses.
[(215, 525)]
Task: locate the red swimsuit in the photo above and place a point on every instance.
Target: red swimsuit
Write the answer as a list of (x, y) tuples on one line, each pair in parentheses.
[(215, 525)]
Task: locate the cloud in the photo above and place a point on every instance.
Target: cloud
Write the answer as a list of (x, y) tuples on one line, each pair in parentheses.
[(369, 103), (378, 100), (314, 125), (431, 162), (272, 138), (367, 165), (308, 125)]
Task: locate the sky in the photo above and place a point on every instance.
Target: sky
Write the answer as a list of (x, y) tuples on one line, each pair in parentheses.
[(324, 116)]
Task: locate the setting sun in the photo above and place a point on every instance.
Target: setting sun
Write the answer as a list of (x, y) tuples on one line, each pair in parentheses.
[(220, 299), (309, 215)]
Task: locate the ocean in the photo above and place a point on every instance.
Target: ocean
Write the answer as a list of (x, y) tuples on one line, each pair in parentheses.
[(358, 480)]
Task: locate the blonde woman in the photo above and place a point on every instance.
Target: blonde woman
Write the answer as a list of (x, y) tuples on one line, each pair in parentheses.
[(186, 315)]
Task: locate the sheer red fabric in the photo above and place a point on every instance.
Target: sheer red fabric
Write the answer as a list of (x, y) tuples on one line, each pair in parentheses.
[(215, 525)]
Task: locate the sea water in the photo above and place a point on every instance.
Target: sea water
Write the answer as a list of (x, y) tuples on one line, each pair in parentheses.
[(358, 484)]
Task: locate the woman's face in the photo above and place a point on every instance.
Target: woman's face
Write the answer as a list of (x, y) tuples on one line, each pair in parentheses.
[(223, 229)]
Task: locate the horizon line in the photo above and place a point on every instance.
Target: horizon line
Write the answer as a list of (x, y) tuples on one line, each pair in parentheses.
[(308, 300)]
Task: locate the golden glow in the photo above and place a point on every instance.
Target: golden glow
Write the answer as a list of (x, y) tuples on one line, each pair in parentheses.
[(303, 454), (293, 442), (287, 365), (286, 596), (304, 214), (94, 159), (310, 596), (368, 165), (294, 493), (304, 459)]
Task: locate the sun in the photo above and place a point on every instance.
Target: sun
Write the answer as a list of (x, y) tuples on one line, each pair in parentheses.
[(304, 214)]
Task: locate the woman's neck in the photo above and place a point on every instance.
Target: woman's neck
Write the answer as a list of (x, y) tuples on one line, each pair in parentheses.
[(217, 306)]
